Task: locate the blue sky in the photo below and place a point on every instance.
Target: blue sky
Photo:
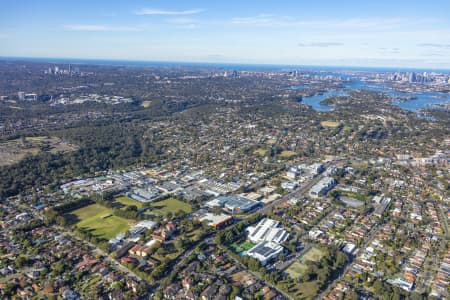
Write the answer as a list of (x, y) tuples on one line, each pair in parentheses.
[(354, 33)]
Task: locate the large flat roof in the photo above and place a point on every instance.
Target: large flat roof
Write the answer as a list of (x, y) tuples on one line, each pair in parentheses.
[(214, 219), (265, 249)]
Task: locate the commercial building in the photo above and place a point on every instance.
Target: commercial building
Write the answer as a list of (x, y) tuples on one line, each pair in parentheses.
[(289, 185), (265, 251), (234, 203), (144, 195), (267, 230), (322, 187), (310, 171), (381, 207), (216, 221)]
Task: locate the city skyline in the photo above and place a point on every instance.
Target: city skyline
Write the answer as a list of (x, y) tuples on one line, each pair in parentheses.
[(405, 34)]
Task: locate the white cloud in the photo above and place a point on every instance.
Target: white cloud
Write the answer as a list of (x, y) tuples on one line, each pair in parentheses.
[(435, 45), (352, 23), (184, 23), (90, 27), (151, 11), (320, 44)]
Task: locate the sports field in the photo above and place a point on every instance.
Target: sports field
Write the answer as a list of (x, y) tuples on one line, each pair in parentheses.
[(296, 270), (169, 205), (331, 124), (127, 201), (239, 248), (261, 152), (288, 154), (313, 254), (146, 104), (101, 221)]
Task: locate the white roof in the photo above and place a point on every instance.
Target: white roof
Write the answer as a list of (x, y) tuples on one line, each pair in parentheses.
[(267, 230), (214, 219)]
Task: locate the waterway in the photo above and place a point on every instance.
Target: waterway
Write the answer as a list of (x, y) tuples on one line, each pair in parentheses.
[(421, 100)]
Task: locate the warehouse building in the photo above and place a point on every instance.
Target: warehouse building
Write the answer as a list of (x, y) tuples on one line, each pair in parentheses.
[(216, 221), (234, 203), (267, 230)]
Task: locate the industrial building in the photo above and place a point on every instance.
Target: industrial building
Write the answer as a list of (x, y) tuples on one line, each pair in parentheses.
[(265, 251), (234, 203), (216, 221), (267, 230)]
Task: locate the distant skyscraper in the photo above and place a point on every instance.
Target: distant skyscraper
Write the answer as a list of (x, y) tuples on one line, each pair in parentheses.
[(21, 95)]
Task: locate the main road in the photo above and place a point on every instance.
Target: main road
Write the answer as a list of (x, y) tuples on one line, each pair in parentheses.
[(295, 193)]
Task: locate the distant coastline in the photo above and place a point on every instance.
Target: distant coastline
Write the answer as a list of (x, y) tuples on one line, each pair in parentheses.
[(221, 65)]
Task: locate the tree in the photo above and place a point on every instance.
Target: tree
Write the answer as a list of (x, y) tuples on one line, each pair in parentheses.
[(21, 261)]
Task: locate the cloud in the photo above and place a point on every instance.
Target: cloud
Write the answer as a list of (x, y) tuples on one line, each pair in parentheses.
[(353, 23), (184, 23), (150, 11), (433, 54), (389, 50), (262, 19), (435, 45), (90, 27), (320, 44)]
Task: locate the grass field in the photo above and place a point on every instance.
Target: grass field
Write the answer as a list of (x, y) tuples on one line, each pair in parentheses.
[(307, 290), (169, 205), (313, 254), (12, 151), (128, 201), (331, 124), (246, 246), (347, 128), (296, 270), (100, 220), (238, 248), (288, 154), (146, 104), (260, 152)]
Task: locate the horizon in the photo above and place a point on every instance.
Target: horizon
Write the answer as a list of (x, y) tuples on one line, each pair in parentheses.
[(404, 34), (266, 66)]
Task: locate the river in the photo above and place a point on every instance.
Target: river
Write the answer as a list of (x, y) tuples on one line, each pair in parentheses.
[(422, 100)]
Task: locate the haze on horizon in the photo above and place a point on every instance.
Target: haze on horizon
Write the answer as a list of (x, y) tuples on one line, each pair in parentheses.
[(411, 34)]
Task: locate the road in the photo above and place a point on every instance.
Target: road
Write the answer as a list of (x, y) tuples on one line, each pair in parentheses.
[(443, 219), (97, 250), (367, 241), (295, 193), (296, 256), (256, 274)]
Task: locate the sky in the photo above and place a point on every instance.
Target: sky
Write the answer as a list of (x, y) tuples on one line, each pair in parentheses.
[(377, 33)]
